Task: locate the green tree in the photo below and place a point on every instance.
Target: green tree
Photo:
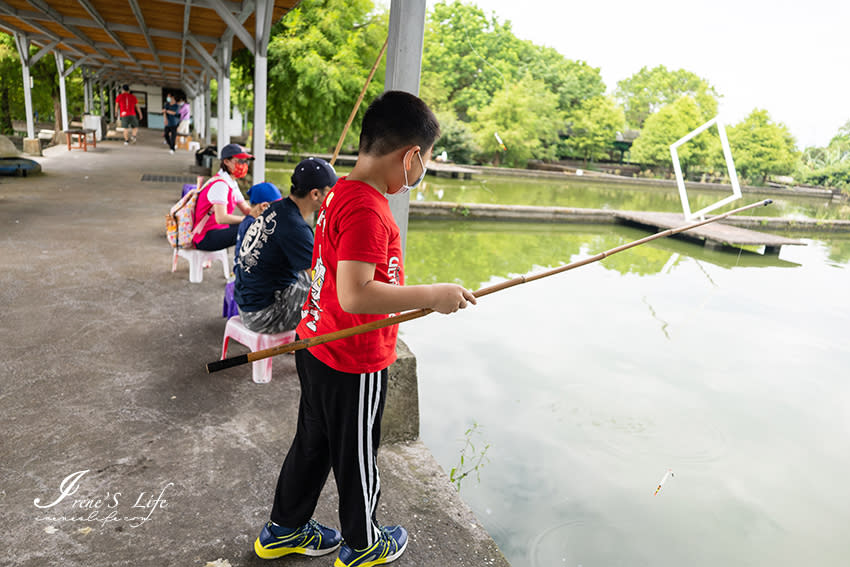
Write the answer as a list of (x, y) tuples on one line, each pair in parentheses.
[(525, 115), (645, 92), (594, 126), (761, 147), (573, 81), (467, 57), (456, 138), (319, 58), (10, 72), (45, 91), (669, 124)]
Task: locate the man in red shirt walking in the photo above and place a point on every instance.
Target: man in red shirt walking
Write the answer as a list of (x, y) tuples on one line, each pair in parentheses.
[(357, 277), (128, 109)]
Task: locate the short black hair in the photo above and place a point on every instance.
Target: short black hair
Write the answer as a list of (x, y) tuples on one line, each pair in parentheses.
[(126, 87), (397, 119)]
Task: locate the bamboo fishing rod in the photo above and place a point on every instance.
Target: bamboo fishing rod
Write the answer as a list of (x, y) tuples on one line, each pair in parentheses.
[(417, 313), (359, 100)]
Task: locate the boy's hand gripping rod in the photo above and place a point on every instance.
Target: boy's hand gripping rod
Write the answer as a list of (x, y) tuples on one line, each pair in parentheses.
[(415, 314)]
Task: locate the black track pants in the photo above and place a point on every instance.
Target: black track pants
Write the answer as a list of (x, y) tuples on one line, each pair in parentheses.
[(339, 428)]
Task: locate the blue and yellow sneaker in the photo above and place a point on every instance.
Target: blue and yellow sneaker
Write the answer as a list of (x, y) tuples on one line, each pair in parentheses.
[(310, 539), (389, 547)]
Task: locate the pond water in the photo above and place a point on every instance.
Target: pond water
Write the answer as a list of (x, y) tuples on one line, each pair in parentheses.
[(729, 368), (591, 194)]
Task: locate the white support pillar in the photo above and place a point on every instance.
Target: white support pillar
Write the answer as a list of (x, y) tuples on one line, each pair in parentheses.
[(404, 64), (23, 44), (86, 101), (63, 97), (207, 115), (223, 136), (104, 102), (111, 102), (262, 30)]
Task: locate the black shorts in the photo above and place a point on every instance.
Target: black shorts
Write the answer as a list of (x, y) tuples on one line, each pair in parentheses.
[(131, 121)]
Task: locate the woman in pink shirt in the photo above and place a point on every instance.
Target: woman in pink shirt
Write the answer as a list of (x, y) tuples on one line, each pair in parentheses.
[(219, 198)]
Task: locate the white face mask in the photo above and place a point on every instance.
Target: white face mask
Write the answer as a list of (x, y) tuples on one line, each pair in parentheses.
[(407, 187)]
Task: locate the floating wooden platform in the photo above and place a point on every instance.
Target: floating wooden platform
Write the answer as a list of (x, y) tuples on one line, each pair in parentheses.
[(714, 235), (442, 169)]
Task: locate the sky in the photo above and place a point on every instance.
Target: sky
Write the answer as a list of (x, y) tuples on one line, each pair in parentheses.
[(790, 58)]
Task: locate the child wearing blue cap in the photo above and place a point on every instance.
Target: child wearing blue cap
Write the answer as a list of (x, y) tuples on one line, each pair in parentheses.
[(274, 256), (258, 194)]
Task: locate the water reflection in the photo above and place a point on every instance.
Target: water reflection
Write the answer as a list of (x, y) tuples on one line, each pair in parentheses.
[(473, 252), (592, 195), (729, 368)]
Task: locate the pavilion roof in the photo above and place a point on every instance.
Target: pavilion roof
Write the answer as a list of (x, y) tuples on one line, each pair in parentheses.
[(155, 42)]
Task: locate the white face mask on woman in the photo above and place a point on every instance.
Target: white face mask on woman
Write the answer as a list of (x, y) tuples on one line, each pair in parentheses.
[(407, 187)]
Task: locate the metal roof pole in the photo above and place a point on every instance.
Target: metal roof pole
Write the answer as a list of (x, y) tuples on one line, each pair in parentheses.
[(23, 44), (63, 98), (262, 30), (404, 64), (103, 100), (223, 136)]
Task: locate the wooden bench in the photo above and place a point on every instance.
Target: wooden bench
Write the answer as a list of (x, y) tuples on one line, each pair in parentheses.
[(82, 135)]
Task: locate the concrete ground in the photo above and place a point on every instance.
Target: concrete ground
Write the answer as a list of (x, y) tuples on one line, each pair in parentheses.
[(117, 448)]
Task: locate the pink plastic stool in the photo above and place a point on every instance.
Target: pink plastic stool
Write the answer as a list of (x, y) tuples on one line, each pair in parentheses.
[(262, 371)]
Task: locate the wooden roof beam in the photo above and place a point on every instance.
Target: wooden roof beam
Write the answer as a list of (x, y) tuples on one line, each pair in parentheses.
[(202, 53), (143, 27), (29, 16), (14, 12), (102, 23), (186, 13), (234, 25), (58, 18)]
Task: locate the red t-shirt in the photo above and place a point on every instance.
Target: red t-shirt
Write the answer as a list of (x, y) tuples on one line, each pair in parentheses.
[(355, 223), (127, 104)]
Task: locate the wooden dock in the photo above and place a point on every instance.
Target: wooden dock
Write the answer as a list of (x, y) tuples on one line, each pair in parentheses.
[(442, 169), (714, 235), (436, 168)]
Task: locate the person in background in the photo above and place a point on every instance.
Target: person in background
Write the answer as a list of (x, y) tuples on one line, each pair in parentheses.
[(215, 224), (273, 262), (171, 113), (185, 115), (127, 107)]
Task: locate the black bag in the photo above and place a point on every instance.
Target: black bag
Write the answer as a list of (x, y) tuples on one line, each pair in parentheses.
[(208, 151)]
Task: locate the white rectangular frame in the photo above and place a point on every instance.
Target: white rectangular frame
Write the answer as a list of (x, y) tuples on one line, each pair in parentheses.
[(730, 167)]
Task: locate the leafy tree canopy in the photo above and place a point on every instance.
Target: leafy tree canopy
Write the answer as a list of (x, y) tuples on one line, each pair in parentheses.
[(319, 58), (648, 90), (669, 124), (594, 126), (468, 57), (45, 91), (761, 147), (525, 115)]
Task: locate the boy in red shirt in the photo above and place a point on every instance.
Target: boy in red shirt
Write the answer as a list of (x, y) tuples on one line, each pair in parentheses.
[(357, 278)]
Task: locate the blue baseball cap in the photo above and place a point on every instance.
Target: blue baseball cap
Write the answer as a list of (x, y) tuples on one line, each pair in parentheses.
[(264, 193)]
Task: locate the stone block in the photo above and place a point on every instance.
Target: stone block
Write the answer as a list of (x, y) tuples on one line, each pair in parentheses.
[(401, 412), (32, 146)]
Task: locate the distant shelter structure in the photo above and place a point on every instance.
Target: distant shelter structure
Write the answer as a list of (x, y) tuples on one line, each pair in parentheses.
[(179, 44)]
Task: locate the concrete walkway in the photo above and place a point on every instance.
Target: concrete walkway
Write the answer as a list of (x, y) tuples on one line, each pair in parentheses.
[(102, 353)]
